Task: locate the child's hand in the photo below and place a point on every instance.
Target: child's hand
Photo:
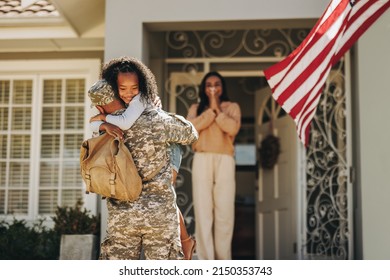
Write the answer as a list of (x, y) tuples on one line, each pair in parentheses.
[(113, 130), (99, 117)]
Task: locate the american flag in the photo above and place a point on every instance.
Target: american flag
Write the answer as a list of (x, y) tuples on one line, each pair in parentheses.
[(297, 81)]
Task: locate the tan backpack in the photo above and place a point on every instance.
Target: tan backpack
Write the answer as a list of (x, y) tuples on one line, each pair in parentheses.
[(108, 168)]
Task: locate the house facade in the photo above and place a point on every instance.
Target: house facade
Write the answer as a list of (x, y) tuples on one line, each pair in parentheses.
[(326, 201)]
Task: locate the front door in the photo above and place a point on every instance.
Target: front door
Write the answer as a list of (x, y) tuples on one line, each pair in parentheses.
[(276, 199)]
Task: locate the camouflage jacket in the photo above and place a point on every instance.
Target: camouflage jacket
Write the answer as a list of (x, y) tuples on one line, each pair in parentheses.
[(149, 136)]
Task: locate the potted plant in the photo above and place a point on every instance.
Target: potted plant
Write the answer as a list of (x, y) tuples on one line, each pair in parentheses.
[(79, 231)]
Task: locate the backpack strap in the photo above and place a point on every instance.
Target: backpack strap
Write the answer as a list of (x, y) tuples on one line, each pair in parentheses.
[(87, 178), (112, 184)]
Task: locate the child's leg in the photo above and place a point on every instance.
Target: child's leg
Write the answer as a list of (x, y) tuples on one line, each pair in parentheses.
[(188, 243), (183, 230)]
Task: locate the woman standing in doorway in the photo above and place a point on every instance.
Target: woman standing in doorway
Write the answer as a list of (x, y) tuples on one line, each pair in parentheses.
[(217, 121)]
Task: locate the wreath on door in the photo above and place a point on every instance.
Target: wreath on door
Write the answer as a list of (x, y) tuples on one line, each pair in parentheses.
[(269, 149)]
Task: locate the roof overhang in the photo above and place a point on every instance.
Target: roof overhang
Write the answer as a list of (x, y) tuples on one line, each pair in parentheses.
[(80, 26)]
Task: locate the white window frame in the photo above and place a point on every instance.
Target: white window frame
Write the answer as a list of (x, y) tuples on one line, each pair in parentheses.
[(38, 71)]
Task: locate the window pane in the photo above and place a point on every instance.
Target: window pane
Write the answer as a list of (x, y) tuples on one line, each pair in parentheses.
[(47, 201), (3, 118), (20, 146), (2, 200), (74, 117), (70, 197), (50, 146), (3, 146), (71, 174), (3, 174), (4, 91), (19, 174), (51, 118), (72, 145), (21, 118), (75, 89), (48, 175), (52, 91), (17, 201), (22, 92)]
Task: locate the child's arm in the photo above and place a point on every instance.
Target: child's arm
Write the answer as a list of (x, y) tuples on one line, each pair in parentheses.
[(123, 121), (132, 113), (94, 125)]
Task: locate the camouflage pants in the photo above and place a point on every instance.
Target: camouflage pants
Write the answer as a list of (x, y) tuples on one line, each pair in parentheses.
[(131, 229)]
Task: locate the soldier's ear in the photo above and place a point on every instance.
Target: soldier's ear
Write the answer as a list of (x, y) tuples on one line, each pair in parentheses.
[(100, 109)]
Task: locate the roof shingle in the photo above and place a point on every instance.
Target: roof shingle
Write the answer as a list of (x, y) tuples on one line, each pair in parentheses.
[(42, 8)]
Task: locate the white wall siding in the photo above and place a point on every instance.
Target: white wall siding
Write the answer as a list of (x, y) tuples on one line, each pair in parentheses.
[(374, 99), (125, 19)]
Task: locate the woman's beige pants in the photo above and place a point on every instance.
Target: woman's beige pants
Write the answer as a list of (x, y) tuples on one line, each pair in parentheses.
[(213, 191)]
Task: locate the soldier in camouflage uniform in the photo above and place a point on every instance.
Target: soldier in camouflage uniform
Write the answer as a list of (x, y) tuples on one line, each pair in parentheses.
[(151, 222)]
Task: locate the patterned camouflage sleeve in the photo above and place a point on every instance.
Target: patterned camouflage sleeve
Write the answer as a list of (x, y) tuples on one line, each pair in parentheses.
[(179, 130)]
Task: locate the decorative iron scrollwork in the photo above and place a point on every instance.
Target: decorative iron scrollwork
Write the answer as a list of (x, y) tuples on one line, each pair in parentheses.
[(327, 229)]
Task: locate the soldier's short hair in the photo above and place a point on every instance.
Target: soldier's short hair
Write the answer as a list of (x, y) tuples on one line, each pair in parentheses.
[(101, 93)]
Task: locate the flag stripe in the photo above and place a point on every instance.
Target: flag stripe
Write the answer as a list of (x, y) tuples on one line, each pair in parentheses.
[(360, 24), (321, 73), (303, 121), (277, 72), (322, 57), (318, 68), (311, 51), (297, 81), (284, 63)]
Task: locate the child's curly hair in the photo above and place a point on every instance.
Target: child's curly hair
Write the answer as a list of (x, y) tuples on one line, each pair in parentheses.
[(147, 81)]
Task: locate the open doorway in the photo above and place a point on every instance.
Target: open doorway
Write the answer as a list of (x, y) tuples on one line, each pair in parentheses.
[(241, 87)]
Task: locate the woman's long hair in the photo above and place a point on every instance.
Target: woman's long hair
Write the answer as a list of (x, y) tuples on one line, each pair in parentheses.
[(204, 100)]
